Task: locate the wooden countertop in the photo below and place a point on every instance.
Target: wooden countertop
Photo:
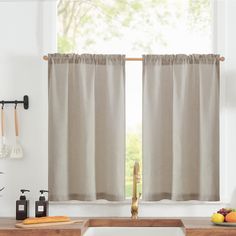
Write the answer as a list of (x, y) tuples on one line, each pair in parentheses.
[(191, 226)]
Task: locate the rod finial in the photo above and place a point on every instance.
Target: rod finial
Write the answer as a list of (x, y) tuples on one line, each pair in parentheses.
[(26, 101), (222, 58)]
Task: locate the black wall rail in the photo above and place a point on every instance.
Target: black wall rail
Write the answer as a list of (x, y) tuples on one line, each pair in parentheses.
[(25, 102)]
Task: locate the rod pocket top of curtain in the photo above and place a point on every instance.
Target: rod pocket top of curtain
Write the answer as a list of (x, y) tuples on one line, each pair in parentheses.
[(135, 58)]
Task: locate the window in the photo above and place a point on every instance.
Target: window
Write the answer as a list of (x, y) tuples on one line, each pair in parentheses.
[(134, 28)]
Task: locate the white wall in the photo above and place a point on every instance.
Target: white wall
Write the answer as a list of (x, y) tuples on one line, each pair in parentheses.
[(27, 32), (230, 96)]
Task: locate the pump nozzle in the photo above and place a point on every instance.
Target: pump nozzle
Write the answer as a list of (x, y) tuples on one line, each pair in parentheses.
[(43, 191), (42, 198), (22, 197), (24, 190)]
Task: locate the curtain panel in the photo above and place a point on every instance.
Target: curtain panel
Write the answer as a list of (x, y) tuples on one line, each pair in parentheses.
[(181, 127), (86, 127)]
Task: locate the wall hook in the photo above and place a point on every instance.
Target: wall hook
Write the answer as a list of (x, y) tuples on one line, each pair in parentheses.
[(25, 102)]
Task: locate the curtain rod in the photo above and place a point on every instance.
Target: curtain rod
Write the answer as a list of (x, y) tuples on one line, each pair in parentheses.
[(134, 58)]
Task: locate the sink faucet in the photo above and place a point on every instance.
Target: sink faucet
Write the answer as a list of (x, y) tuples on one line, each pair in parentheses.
[(135, 197)]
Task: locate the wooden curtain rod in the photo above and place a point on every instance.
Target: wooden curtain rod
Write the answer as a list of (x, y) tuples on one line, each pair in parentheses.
[(134, 58)]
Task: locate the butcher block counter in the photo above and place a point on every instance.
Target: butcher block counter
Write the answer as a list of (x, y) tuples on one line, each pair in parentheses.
[(190, 226)]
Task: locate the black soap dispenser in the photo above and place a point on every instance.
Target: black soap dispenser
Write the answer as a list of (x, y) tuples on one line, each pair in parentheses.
[(22, 206), (41, 206)]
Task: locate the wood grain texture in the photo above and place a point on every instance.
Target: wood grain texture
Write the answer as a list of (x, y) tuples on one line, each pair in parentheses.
[(7, 228), (41, 232), (191, 226), (28, 226), (210, 232), (46, 219), (140, 222)]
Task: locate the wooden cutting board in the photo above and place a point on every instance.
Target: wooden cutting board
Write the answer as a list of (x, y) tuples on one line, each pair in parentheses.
[(21, 225)]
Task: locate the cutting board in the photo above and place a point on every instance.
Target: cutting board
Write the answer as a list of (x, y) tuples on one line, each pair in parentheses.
[(21, 225)]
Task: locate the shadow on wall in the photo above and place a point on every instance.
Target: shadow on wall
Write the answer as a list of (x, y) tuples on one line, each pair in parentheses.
[(1, 188), (230, 89), (233, 199)]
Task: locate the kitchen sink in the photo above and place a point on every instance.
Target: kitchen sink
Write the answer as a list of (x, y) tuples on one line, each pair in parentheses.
[(134, 231)]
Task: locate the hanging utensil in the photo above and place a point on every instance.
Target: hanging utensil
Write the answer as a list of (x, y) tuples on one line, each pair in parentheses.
[(4, 149), (17, 151)]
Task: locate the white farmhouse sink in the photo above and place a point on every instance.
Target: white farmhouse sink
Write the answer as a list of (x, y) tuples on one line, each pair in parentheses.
[(134, 231)]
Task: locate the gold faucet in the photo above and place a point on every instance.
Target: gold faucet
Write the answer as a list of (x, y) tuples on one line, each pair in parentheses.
[(135, 197)]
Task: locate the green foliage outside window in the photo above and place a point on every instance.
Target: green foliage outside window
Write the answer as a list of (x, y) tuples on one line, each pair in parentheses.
[(133, 153)]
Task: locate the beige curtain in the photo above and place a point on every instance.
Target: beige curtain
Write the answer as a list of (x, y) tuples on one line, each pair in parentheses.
[(181, 127), (86, 127)]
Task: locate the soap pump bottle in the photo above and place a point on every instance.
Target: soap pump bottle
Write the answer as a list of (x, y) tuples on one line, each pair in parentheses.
[(22, 206), (41, 206)]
